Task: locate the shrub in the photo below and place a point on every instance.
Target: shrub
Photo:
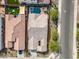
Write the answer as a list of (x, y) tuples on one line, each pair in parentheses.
[(13, 2), (78, 34), (54, 45), (77, 25), (12, 10), (54, 15)]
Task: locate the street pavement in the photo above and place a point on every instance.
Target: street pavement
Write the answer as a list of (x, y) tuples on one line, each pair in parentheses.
[(67, 29)]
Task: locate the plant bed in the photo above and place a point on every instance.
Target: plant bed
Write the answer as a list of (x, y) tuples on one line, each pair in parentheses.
[(16, 2), (12, 10)]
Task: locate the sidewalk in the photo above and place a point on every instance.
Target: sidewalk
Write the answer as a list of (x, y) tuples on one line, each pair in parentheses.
[(23, 58)]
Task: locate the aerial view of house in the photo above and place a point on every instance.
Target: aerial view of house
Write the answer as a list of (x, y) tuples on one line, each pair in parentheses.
[(23, 27), (31, 29), (38, 28)]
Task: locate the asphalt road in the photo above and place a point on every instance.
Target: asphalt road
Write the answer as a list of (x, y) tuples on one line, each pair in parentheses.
[(67, 27)]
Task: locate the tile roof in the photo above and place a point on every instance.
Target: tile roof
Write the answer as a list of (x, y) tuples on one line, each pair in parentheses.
[(15, 32)]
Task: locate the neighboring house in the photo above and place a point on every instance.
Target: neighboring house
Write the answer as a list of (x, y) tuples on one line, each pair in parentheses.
[(37, 29), (15, 32), (19, 34), (35, 1)]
